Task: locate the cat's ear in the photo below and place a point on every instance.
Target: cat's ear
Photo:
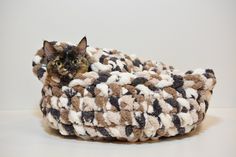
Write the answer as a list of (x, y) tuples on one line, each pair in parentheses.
[(81, 47), (48, 48)]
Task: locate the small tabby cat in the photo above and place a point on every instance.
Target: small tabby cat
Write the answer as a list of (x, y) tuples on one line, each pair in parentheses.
[(66, 64)]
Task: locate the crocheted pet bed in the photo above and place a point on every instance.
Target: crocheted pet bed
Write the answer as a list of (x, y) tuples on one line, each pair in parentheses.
[(118, 96)]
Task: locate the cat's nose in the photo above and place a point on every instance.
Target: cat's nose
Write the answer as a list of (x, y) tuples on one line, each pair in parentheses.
[(67, 66)]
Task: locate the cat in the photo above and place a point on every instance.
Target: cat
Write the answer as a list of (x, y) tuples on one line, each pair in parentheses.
[(66, 64), (112, 95)]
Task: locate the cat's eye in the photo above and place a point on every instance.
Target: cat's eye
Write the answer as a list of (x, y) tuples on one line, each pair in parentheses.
[(58, 63), (75, 61)]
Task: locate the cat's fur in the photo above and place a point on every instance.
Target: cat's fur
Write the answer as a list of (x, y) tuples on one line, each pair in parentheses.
[(66, 64)]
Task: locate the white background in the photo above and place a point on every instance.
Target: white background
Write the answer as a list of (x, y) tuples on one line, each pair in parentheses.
[(186, 34)]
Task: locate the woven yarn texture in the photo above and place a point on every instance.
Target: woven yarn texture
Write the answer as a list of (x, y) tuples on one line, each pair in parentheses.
[(123, 97)]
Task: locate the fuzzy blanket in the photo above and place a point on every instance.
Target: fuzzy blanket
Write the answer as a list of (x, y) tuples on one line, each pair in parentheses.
[(123, 97)]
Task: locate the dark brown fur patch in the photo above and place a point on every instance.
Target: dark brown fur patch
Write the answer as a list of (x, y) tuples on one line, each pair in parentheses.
[(36, 68), (40, 53)]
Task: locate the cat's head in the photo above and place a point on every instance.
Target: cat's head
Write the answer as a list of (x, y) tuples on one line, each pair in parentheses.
[(68, 62)]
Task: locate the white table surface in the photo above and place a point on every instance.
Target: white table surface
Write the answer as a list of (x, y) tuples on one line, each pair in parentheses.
[(23, 133)]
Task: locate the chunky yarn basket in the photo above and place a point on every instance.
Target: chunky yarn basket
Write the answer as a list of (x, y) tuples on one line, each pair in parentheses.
[(123, 97)]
